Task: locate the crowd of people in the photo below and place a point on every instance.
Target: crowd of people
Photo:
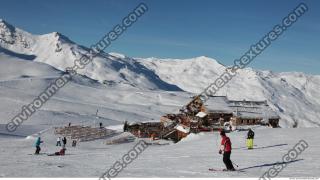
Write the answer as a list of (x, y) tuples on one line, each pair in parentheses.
[(59, 140), (58, 143)]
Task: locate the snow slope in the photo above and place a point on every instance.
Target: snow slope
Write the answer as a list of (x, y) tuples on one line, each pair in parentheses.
[(192, 157), (21, 81)]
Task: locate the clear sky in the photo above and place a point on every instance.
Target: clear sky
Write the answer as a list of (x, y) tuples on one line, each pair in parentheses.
[(223, 30)]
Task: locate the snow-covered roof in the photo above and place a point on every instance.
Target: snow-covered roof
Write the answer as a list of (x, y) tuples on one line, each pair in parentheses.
[(183, 129), (255, 111), (257, 115), (201, 114), (218, 104), (244, 109)]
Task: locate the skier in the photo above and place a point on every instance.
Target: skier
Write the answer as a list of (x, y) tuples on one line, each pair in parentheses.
[(74, 143), (250, 137), (64, 142), (58, 141), (226, 150), (37, 144), (125, 126), (60, 153)]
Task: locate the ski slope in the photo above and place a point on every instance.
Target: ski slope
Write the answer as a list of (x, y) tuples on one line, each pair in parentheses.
[(79, 100), (189, 158)]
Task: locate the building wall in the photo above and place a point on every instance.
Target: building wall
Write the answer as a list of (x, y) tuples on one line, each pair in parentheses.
[(237, 121)]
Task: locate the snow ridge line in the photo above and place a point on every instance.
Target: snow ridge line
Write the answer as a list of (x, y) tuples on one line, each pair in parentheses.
[(254, 50), (28, 110)]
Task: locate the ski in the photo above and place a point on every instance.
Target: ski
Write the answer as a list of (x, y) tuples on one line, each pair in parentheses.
[(38, 154), (223, 170)]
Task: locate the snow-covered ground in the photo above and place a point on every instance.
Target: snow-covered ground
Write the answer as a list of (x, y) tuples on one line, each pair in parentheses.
[(189, 158)]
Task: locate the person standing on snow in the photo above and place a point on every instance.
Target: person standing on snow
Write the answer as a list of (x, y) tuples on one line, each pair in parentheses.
[(58, 141), (74, 143), (37, 144), (250, 137), (226, 150), (64, 142)]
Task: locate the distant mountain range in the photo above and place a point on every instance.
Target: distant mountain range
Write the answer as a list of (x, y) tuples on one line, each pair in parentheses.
[(294, 95)]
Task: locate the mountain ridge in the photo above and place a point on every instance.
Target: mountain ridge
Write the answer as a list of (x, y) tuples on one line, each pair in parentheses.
[(293, 95), (60, 52)]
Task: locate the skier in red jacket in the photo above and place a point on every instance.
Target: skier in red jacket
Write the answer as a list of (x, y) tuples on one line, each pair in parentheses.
[(226, 150)]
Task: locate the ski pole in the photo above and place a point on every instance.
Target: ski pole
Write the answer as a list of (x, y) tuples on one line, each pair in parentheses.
[(234, 163)]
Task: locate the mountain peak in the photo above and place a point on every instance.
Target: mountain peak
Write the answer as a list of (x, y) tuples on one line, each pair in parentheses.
[(202, 57), (59, 37), (4, 25), (207, 60), (117, 55), (2, 21)]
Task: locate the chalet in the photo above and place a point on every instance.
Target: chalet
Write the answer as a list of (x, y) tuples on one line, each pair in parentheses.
[(144, 129), (253, 112), (219, 109), (206, 116)]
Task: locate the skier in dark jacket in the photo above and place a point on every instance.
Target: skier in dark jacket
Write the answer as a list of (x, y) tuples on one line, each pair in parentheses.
[(250, 137), (226, 150), (74, 143), (37, 144), (125, 126), (64, 142)]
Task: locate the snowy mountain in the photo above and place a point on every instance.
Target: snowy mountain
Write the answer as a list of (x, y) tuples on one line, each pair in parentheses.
[(78, 102), (60, 52), (293, 95)]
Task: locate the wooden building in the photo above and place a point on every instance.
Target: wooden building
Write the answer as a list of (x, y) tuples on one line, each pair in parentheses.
[(145, 129), (219, 110), (211, 115)]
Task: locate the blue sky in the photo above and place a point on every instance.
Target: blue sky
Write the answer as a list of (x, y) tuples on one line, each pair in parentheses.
[(223, 30)]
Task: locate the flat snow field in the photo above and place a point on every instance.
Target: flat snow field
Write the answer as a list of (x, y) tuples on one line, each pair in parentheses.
[(189, 158)]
